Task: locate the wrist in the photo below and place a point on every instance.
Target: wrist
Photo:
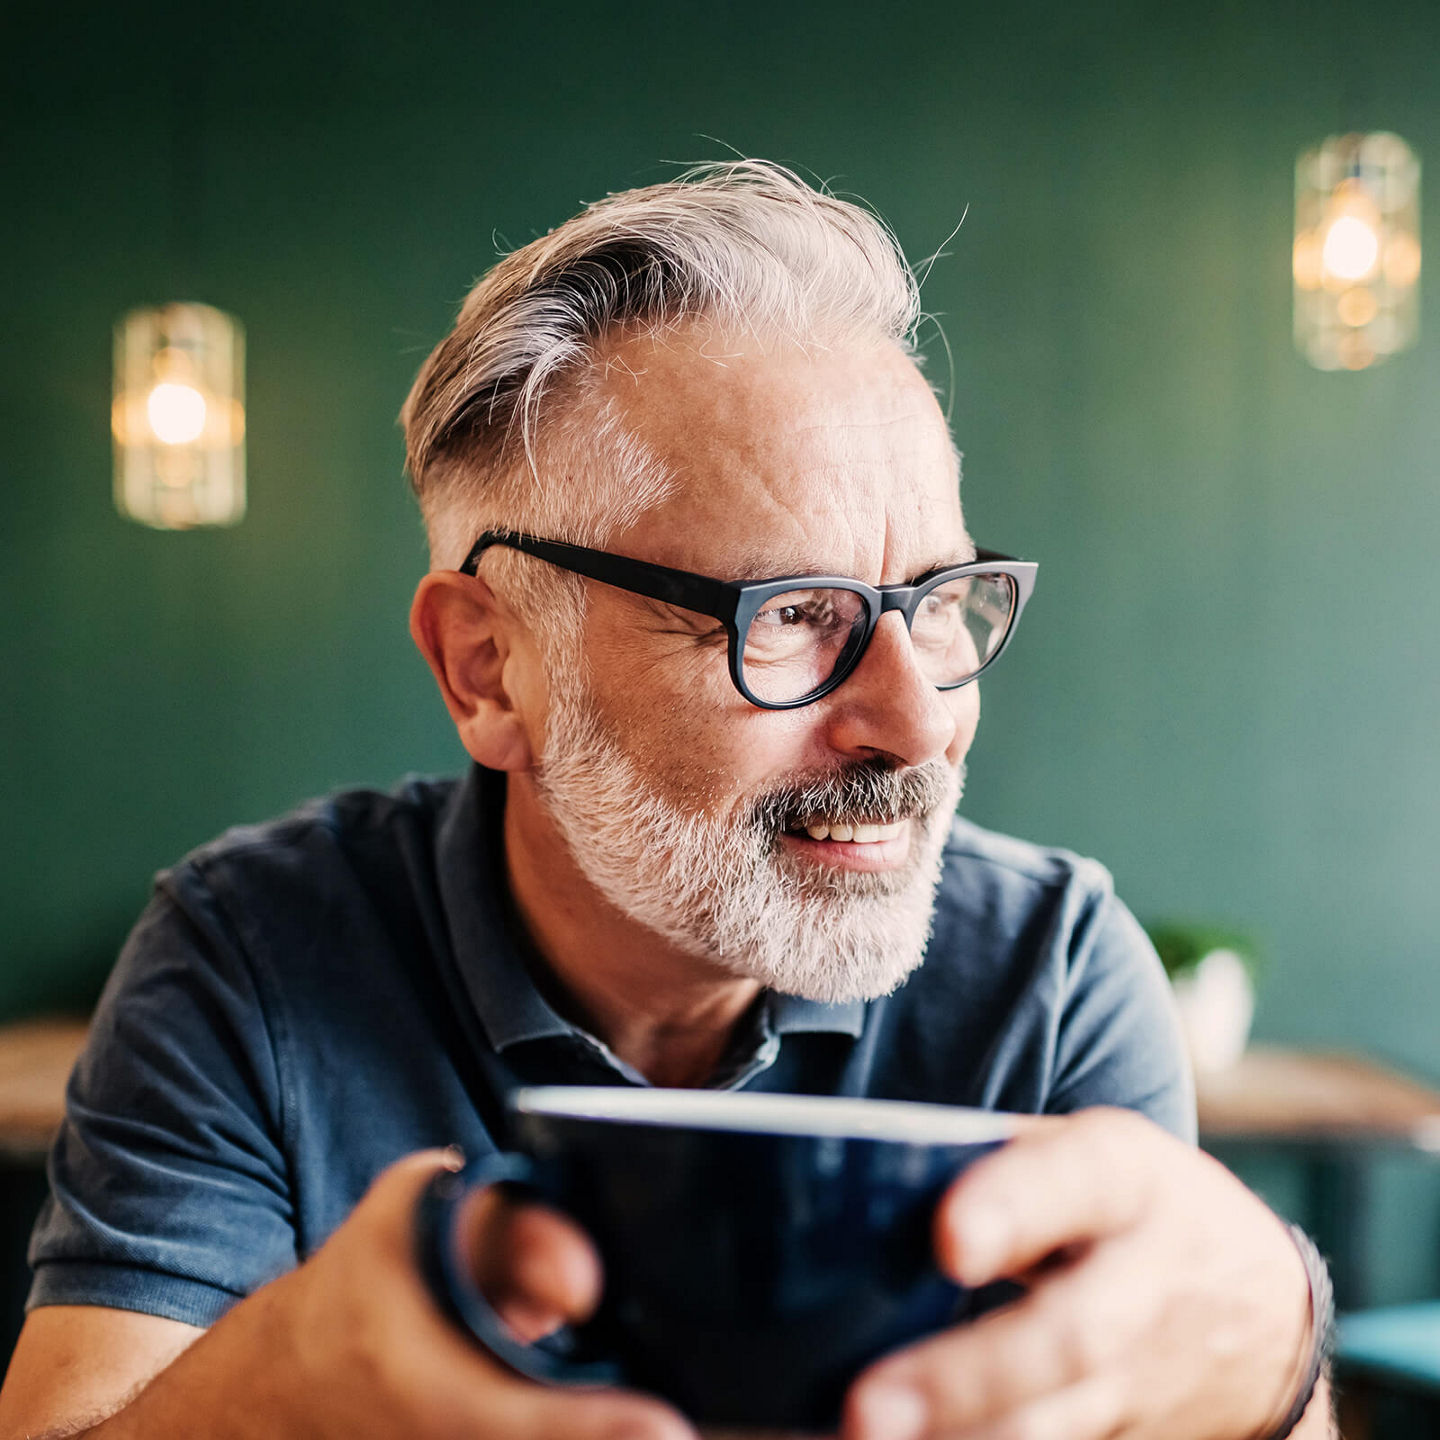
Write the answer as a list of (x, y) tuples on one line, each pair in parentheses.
[(1309, 1375)]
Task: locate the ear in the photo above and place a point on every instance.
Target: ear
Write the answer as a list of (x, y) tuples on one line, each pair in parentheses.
[(484, 663)]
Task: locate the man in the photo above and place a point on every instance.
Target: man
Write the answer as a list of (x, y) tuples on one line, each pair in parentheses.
[(708, 841)]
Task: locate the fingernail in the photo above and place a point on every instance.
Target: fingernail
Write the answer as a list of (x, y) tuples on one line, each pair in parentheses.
[(453, 1158), (892, 1411)]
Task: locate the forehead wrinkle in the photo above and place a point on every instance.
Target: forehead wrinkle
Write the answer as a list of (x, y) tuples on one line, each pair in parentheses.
[(841, 466), (905, 416), (769, 558), (900, 496), (822, 518), (790, 538)]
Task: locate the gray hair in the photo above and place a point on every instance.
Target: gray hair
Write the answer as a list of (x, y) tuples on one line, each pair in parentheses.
[(499, 410)]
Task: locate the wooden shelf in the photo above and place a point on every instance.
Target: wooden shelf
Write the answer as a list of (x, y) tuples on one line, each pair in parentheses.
[(1314, 1097), (36, 1058)]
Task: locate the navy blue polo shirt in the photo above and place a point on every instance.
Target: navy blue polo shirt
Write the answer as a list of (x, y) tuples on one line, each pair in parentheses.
[(305, 1001)]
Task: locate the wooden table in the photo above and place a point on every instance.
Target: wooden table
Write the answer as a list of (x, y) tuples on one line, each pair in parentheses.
[(36, 1057), (1333, 1112)]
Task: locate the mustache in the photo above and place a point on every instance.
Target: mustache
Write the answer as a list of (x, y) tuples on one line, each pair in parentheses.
[(869, 792)]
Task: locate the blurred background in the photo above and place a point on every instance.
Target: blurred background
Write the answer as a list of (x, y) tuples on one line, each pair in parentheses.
[(1227, 684)]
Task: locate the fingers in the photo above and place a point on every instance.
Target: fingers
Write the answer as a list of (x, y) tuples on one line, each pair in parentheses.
[(520, 1410), (364, 1350), (1037, 1209), (535, 1266), (1055, 1186), (1064, 1334), (1081, 1412), (1139, 1254)]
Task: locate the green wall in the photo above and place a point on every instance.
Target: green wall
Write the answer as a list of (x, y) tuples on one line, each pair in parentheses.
[(1227, 684)]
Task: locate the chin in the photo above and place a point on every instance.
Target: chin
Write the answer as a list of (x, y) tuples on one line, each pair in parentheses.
[(861, 955)]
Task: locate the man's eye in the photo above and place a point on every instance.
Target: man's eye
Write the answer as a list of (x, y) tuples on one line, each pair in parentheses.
[(943, 608), (797, 621), (783, 615)]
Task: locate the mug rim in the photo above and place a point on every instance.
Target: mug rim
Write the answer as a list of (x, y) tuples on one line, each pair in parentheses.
[(826, 1117)]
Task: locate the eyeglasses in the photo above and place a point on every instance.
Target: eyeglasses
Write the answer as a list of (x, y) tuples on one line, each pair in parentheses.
[(795, 638)]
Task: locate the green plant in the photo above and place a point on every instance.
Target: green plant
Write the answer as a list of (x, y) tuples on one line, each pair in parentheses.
[(1182, 946)]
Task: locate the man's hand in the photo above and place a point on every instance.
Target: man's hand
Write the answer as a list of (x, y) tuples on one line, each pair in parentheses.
[(351, 1346), (1164, 1301)]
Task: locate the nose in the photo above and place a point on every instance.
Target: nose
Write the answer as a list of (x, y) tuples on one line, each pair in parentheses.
[(886, 707)]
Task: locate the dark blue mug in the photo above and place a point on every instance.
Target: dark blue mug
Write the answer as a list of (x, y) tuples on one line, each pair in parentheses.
[(758, 1250)]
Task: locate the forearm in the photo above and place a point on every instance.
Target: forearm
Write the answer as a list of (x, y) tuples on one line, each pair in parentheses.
[(228, 1385)]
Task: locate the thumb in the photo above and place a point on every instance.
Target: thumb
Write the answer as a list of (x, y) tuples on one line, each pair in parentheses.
[(387, 1208), (1066, 1182)]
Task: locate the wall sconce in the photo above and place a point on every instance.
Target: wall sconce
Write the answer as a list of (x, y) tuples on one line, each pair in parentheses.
[(1357, 250), (179, 417)]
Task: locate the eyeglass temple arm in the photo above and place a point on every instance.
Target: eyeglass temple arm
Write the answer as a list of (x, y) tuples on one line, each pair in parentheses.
[(717, 598), (701, 593)]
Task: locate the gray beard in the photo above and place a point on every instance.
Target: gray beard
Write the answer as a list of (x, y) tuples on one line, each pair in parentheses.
[(726, 890)]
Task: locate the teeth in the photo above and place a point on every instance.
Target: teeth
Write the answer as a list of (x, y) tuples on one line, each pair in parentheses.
[(855, 834)]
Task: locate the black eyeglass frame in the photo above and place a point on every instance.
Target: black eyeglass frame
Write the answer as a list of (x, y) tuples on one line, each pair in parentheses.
[(735, 603)]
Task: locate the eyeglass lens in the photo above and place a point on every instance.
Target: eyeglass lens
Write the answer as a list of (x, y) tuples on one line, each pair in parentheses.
[(798, 640)]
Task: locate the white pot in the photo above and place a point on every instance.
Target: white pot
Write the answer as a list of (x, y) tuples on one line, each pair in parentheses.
[(1217, 1005)]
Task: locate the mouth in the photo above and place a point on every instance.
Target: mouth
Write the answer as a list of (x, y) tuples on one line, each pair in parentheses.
[(866, 817), (850, 833), (851, 845)]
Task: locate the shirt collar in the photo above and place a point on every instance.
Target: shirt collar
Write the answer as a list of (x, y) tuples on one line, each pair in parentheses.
[(471, 864), (791, 1015)]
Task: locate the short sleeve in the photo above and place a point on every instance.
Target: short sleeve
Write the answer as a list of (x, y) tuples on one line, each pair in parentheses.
[(1119, 1040), (168, 1180)]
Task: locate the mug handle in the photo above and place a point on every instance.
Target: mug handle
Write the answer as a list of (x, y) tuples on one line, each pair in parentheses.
[(454, 1290)]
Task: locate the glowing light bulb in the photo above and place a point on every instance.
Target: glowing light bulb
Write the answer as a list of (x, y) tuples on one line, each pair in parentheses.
[(1356, 257), (176, 413), (178, 416), (1351, 249)]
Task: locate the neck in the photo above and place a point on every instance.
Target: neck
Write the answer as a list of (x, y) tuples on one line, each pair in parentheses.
[(661, 1009)]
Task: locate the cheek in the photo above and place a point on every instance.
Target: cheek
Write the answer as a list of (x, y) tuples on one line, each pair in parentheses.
[(728, 753), (713, 753), (682, 726), (676, 713)]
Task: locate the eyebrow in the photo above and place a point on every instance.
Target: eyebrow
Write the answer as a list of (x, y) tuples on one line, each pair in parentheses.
[(771, 566), (966, 556)]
